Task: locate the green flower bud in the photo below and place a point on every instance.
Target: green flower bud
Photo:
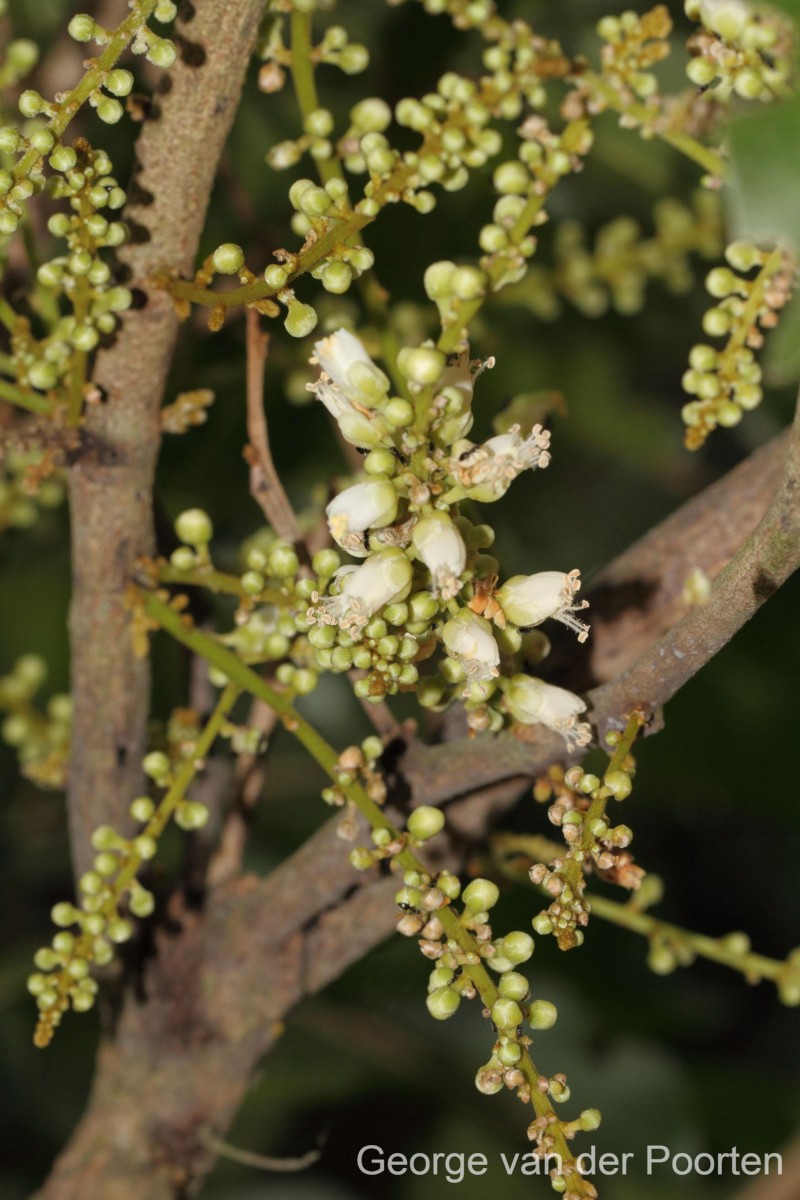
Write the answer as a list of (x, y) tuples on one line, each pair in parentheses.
[(425, 822), (228, 259), (42, 141), (194, 527), (513, 986), (276, 276), (145, 846), (162, 53), (510, 1053), (506, 1014), (31, 104), (142, 903), (371, 115), (283, 560), (542, 1015), (399, 413), (590, 1119), (110, 111), (336, 277), (511, 178), (64, 913), (620, 784), (422, 365), (380, 462), (518, 946), (84, 338), (480, 895), (156, 765), (408, 897), (468, 283), (300, 319), (353, 59), (437, 280), (443, 1003), (81, 27), (119, 82), (120, 930), (42, 376)]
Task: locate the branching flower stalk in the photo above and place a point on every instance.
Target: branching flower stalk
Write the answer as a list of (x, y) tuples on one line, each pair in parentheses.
[(27, 175), (589, 836), (63, 977), (670, 945)]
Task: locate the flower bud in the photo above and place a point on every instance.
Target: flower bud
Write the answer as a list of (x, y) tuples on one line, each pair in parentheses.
[(542, 1015), (194, 527), (425, 822), (438, 543), (480, 895), (443, 1003)]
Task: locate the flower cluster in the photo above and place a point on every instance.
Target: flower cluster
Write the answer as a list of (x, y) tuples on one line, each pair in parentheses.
[(579, 810), (727, 382), (741, 49), (424, 587), (102, 86), (634, 44), (110, 891), (461, 945)]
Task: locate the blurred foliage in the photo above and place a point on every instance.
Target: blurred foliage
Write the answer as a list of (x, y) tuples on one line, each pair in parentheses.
[(697, 1060)]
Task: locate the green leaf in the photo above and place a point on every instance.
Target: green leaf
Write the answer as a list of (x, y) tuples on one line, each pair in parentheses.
[(764, 192)]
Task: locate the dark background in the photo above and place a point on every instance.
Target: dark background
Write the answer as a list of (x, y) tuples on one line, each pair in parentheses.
[(698, 1060)]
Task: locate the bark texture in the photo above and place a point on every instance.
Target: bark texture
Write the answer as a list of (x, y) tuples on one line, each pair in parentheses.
[(111, 482)]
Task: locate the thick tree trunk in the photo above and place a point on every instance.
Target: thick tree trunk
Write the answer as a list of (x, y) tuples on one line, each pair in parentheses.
[(111, 483)]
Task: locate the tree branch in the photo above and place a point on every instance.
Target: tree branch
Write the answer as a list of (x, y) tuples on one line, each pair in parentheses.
[(111, 487), (265, 482)]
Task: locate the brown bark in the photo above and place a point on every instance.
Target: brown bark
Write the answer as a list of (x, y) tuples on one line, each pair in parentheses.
[(111, 483)]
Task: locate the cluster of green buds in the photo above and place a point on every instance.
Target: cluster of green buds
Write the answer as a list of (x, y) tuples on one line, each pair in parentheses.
[(161, 52), (24, 492), (741, 49), (103, 86), (543, 158), (727, 382), (635, 43), (579, 810), (110, 892), (39, 737), (425, 587), (615, 271), (453, 930), (81, 275)]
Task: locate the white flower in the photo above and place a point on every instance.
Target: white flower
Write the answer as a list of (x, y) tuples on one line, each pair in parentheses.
[(350, 386), (530, 599), (384, 577), (727, 18), (452, 405), (486, 472), (469, 639), (441, 547), (534, 702), (369, 505)]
